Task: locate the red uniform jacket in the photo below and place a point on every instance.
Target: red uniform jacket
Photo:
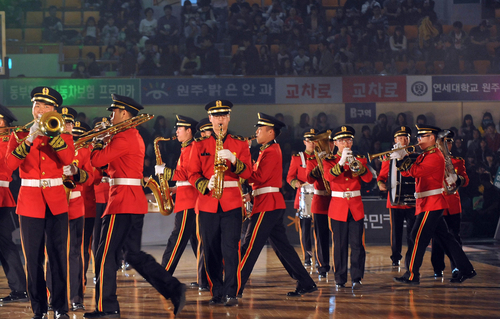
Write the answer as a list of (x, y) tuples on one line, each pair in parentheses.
[(296, 172), (319, 203), (186, 196), (453, 200), (124, 156), (382, 177), (6, 199), (84, 178), (41, 161), (342, 179), (201, 168), (101, 189), (428, 171), (268, 171)]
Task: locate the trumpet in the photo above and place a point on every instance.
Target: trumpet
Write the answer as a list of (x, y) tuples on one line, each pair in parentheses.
[(51, 124), (383, 155), (354, 164)]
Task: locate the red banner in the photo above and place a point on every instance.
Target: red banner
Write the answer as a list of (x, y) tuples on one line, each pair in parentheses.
[(363, 89)]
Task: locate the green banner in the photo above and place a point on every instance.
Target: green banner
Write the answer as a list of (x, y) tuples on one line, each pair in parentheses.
[(75, 92)]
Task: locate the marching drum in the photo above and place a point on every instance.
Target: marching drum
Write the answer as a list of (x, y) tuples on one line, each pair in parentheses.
[(401, 189), (306, 196)]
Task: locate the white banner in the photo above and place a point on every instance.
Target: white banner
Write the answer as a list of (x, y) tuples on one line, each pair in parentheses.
[(419, 88)]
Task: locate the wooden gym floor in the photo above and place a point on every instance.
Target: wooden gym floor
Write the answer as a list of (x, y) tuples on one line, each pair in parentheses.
[(265, 294)]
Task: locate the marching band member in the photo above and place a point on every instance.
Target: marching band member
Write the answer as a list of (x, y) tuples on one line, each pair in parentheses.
[(398, 213), (452, 214), (346, 210), (220, 219), (319, 208), (266, 221), (428, 171), (124, 217), (9, 255), (296, 177), (42, 206)]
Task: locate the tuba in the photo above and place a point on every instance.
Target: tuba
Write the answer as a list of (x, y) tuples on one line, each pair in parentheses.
[(161, 190), (449, 170), (220, 166), (321, 144)]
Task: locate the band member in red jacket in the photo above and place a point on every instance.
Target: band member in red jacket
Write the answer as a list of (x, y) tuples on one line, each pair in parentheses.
[(319, 208), (266, 221), (345, 171), (42, 206), (124, 217), (9, 254), (398, 213), (296, 177), (452, 214), (220, 219), (429, 171)]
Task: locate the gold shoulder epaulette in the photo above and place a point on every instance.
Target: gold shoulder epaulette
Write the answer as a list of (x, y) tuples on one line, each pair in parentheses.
[(458, 158), (296, 155), (201, 138), (238, 137), (432, 151)]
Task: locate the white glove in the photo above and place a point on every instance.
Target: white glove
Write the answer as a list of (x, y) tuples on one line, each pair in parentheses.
[(70, 170), (34, 132), (399, 154), (345, 154), (450, 180), (226, 154), (211, 183), (159, 169), (322, 154)]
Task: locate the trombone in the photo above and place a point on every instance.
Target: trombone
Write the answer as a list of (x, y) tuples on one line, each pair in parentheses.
[(383, 155)]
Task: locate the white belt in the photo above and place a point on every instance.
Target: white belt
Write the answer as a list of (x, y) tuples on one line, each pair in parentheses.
[(321, 192), (265, 190), (429, 193), (346, 194), (105, 179), (231, 184), (4, 184), (125, 181), (75, 194), (182, 183), (49, 182)]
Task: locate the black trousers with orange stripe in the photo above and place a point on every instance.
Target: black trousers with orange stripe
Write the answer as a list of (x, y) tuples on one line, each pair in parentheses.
[(9, 253), (306, 234), (344, 234), (38, 234), (220, 234), (88, 234), (125, 231), (100, 208), (322, 239), (437, 254), (429, 225), (269, 225), (398, 217)]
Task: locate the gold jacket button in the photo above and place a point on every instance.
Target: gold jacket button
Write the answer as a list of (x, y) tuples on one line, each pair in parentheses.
[(347, 189), (43, 144), (346, 179), (43, 173), (43, 158)]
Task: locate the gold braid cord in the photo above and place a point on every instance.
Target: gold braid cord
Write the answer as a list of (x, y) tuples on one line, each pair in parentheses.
[(337, 170), (315, 173), (168, 173), (21, 151), (202, 185), (239, 167), (82, 176), (292, 182)]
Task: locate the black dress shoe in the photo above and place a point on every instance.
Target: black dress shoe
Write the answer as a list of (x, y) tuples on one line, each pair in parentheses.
[(407, 281), (322, 274), (340, 286), (231, 301), (438, 274), (39, 316), (357, 285), (299, 291), (395, 263), (179, 300), (216, 300), (454, 273), (15, 297), (77, 306), (102, 314), (307, 263), (60, 315), (461, 277), (194, 285), (204, 288)]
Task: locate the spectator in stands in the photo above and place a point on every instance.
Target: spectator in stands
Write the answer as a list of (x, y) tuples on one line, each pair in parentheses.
[(90, 32), (130, 31), (236, 7), (338, 21), (92, 66), (256, 10), (308, 69), (191, 64), (296, 39), (132, 10), (200, 37), (302, 127), (487, 119), (398, 44), (250, 57), (221, 15), (259, 32), (389, 68), (473, 144), (479, 38), (52, 26), (238, 62), (315, 26), (285, 68), (381, 45), (148, 25), (110, 9), (321, 122), (429, 68), (410, 67), (340, 40), (367, 68), (365, 143), (127, 60), (458, 39), (485, 217), (110, 32), (440, 43), (400, 121), (491, 164), (367, 8), (240, 24), (343, 60), (276, 6), (300, 60), (459, 149), (207, 15), (282, 54), (187, 12), (492, 138), (210, 62), (265, 61), (110, 53), (378, 20), (326, 63), (168, 29), (275, 26), (364, 43), (421, 119), (80, 71), (411, 12), (382, 132), (466, 129), (149, 60), (392, 10), (170, 61), (292, 21), (191, 31), (428, 10), (483, 151)]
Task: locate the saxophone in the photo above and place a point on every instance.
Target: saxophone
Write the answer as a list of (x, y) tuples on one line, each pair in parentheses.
[(161, 190), (220, 166), (449, 170)]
